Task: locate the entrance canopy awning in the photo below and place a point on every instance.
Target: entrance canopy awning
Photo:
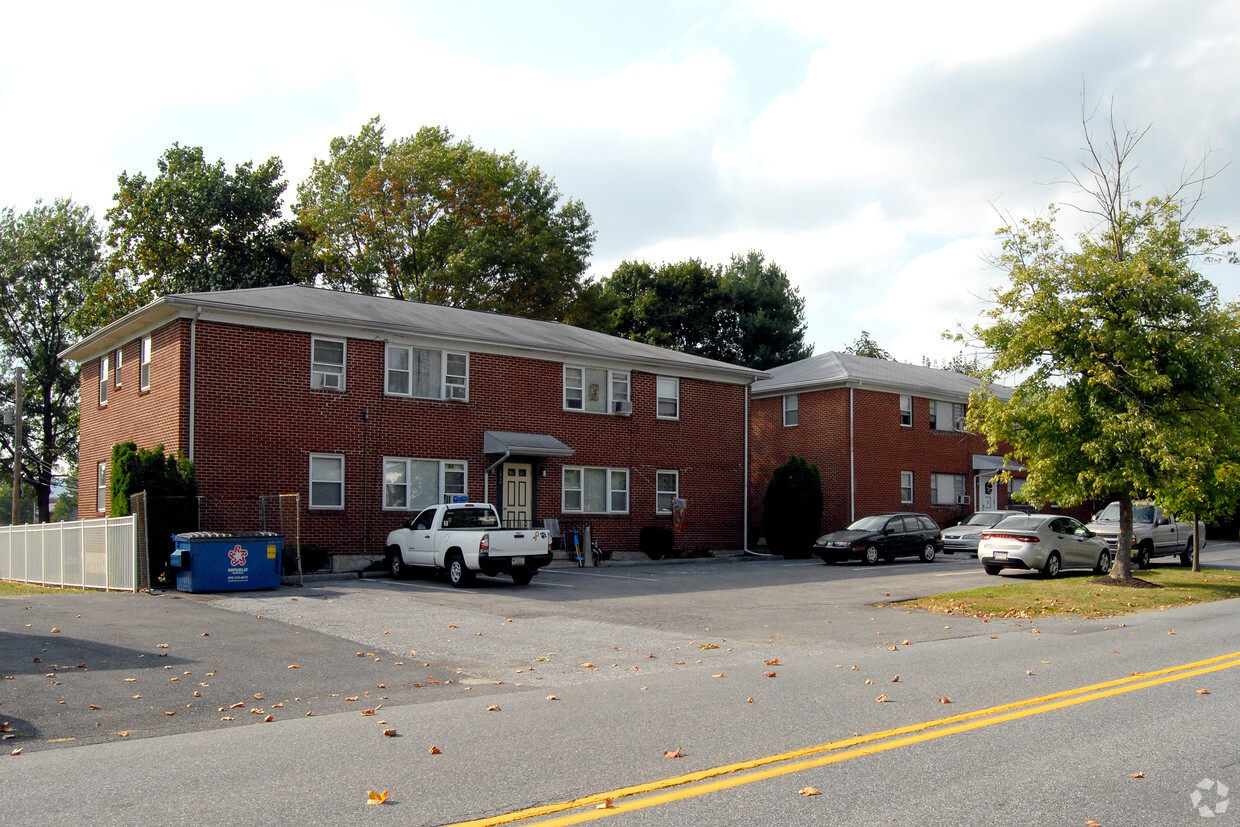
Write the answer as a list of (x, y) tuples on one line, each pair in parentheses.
[(528, 445), (983, 462)]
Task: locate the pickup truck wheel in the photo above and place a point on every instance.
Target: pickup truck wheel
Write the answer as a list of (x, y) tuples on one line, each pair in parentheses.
[(522, 578), (1142, 558), (1104, 563), (396, 564), (869, 555), (1186, 556), (927, 553), (458, 575), (1051, 569)]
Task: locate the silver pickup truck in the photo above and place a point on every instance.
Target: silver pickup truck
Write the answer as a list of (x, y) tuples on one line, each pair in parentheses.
[(1155, 533), (465, 539)]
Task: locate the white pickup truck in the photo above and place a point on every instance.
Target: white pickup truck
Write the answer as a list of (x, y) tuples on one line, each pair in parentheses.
[(1154, 533), (465, 539)]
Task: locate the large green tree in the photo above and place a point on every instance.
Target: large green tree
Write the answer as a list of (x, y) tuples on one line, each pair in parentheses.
[(1128, 355), (864, 345), (50, 257), (746, 313), (435, 219), (195, 226)]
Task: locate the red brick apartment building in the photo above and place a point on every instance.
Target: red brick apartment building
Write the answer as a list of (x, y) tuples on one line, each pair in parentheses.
[(886, 436), (372, 408)]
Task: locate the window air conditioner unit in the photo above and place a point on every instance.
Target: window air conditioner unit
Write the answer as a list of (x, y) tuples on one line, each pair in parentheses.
[(958, 423), (328, 380), (622, 406), (964, 499)]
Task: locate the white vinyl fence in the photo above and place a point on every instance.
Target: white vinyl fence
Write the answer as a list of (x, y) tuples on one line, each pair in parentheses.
[(86, 554)]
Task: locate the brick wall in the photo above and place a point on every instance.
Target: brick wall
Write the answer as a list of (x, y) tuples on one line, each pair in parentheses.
[(147, 417), (881, 449), (258, 421)]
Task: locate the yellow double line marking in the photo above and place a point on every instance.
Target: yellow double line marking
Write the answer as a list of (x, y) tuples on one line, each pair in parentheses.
[(746, 772)]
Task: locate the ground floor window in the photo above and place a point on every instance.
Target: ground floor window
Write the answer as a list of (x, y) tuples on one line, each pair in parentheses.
[(667, 488), (101, 487), (906, 486), (947, 489), (410, 484), (596, 490), (327, 481)]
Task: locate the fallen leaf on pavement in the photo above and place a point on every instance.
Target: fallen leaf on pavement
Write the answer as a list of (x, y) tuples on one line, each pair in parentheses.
[(896, 679), (606, 804), (162, 646), (945, 700), (493, 708), (368, 712), (269, 719), (772, 675), (552, 698), (237, 705), (720, 675), (1138, 775), (772, 662), (882, 698), (391, 733), (373, 797), (676, 753), (16, 751), (434, 750), (749, 701), (293, 666), (1203, 691), (808, 791), (352, 698)]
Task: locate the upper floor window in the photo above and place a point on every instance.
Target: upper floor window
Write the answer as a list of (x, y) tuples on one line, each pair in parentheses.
[(596, 390), (667, 488), (103, 381), (327, 364), (906, 486), (416, 483), (947, 489), (906, 411), (144, 365), (946, 416), (427, 374), (596, 490), (791, 410), (116, 371), (327, 481), (668, 391)]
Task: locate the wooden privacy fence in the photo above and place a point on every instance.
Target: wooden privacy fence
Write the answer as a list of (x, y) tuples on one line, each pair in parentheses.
[(84, 554)]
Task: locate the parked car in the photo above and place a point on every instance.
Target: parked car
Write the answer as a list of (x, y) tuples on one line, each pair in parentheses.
[(964, 535), (1042, 542), (884, 536), (1155, 533), (464, 539)]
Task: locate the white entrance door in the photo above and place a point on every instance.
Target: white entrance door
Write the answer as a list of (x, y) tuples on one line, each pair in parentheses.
[(518, 493), (988, 496)]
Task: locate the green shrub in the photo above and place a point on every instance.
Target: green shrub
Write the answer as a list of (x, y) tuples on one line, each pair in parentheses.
[(792, 510), (171, 488)]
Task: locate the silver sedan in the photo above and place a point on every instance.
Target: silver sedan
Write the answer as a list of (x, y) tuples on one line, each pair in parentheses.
[(1042, 542)]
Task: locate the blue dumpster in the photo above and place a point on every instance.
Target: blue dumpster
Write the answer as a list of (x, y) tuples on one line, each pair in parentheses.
[(216, 561)]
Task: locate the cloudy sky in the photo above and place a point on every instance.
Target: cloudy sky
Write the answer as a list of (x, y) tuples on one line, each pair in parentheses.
[(867, 148)]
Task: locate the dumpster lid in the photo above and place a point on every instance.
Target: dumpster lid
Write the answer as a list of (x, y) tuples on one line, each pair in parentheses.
[(223, 535)]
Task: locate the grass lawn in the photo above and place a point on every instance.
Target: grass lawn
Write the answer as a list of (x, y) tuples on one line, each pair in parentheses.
[(10, 589), (1084, 595)]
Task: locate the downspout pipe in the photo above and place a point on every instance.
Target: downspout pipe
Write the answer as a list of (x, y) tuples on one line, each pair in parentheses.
[(852, 458), (193, 363), (745, 481), (486, 476)]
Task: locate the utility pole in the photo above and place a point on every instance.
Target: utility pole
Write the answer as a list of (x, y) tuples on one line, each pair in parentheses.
[(17, 448)]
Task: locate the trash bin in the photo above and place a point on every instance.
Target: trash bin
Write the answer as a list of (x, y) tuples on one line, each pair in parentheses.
[(216, 561)]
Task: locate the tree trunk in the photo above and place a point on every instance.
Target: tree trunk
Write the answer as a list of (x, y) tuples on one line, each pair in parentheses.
[(1121, 568)]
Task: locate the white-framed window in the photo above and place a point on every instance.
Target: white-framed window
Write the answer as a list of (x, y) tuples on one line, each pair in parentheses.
[(947, 489), (410, 484), (103, 381), (327, 363), (666, 489), (101, 487), (426, 373), (327, 481), (667, 389), (906, 486), (595, 490), (116, 371), (595, 390), (791, 410), (144, 365), (1014, 486), (906, 411), (946, 416)]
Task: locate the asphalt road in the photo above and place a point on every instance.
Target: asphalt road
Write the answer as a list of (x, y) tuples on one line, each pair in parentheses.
[(640, 661)]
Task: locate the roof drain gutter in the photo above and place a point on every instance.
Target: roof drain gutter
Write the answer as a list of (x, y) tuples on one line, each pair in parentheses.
[(193, 354), (486, 489)]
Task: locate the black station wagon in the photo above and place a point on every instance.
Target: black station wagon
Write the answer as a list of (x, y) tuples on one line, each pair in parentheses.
[(882, 536)]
